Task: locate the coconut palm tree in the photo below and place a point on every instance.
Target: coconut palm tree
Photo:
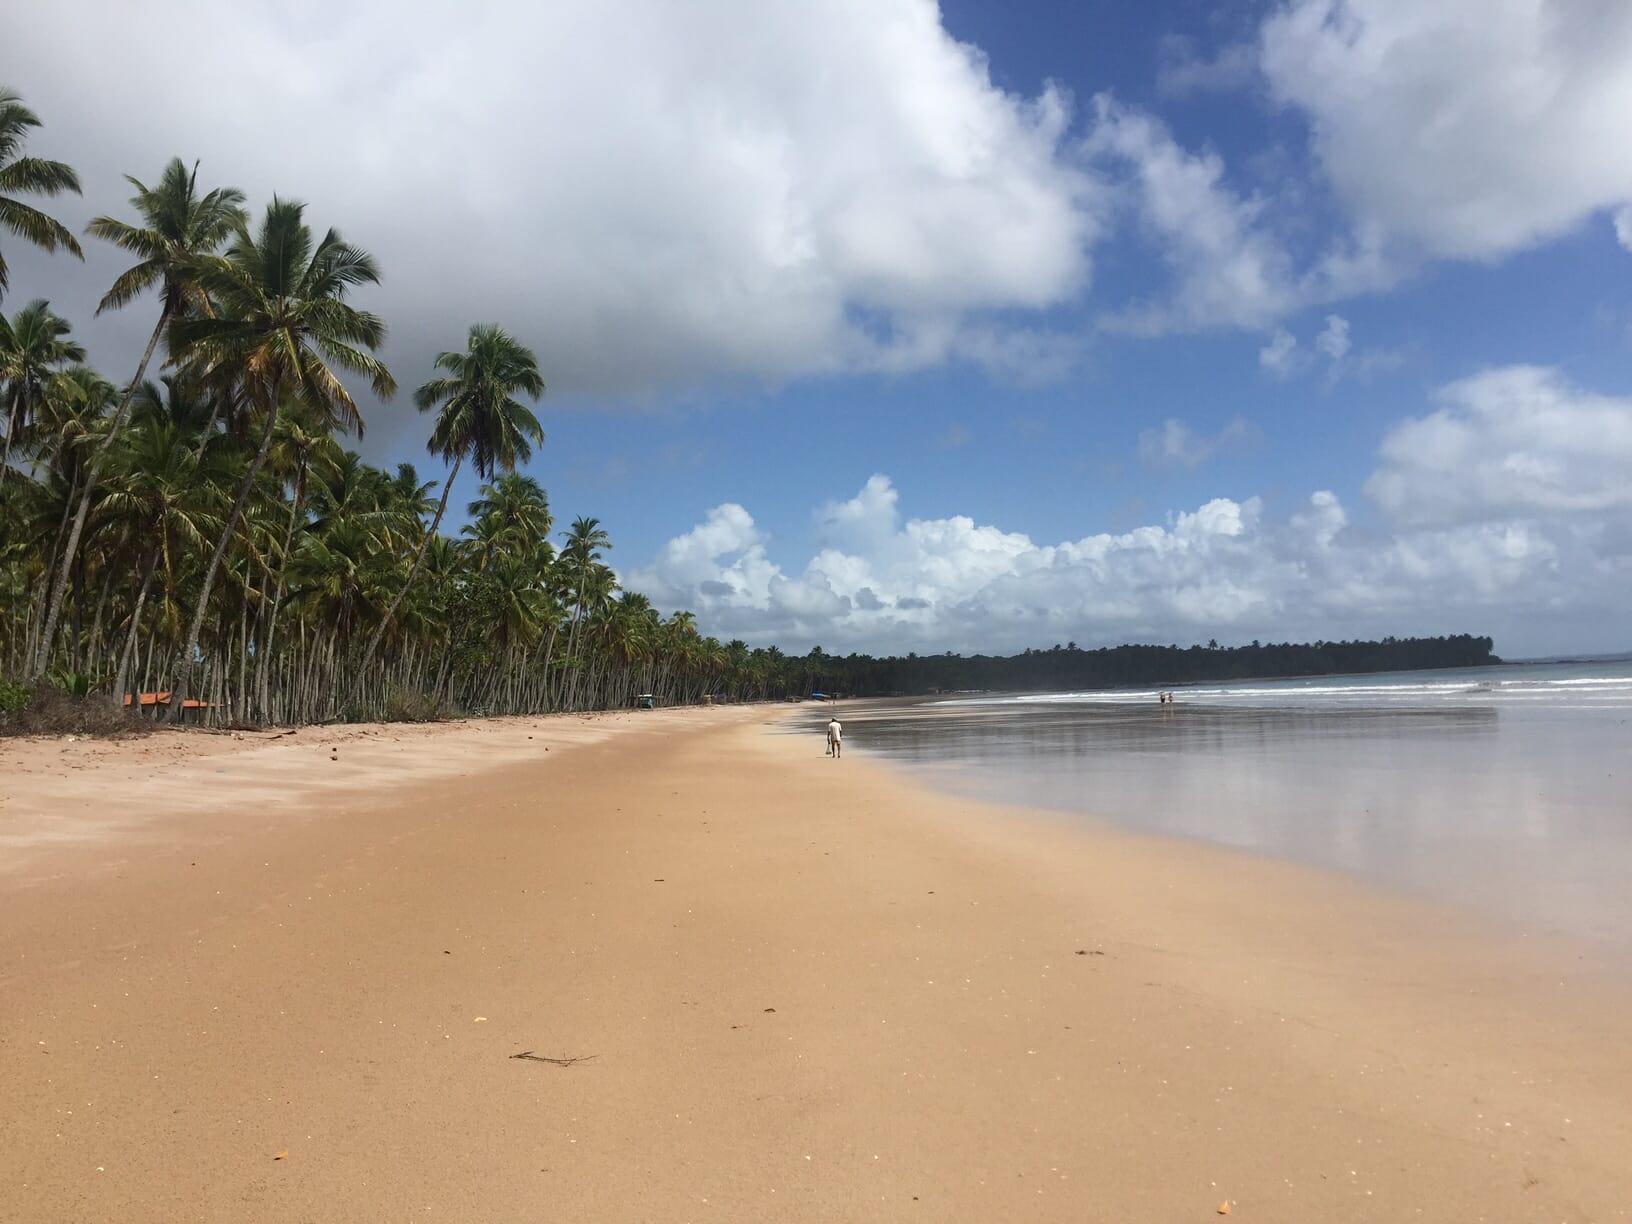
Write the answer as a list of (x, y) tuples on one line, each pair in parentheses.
[(178, 227), (581, 554), (405, 501), (21, 175), (34, 345), (157, 499), (281, 320), (70, 419), (518, 505), (510, 517), (480, 419), (303, 447)]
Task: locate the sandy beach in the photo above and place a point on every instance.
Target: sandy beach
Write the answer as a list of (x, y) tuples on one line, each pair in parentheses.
[(292, 978)]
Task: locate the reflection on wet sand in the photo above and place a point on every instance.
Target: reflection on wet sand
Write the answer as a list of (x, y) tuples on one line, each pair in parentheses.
[(1516, 811)]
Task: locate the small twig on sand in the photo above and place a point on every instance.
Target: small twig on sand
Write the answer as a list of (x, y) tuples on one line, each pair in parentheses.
[(557, 1062)]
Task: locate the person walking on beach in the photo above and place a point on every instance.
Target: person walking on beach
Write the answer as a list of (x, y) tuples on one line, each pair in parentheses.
[(835, 737)]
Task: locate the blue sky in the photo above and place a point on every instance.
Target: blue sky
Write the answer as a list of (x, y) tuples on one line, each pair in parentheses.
[(886, 326)]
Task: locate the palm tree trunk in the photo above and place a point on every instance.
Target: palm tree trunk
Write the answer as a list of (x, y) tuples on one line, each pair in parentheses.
[(12, 418), (419, 559), (189, 647), (129, 652), (59, 587), (263, 662)]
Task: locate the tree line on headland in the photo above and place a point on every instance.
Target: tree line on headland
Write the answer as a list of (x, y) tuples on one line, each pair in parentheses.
[(1069, 667), (196, 534)]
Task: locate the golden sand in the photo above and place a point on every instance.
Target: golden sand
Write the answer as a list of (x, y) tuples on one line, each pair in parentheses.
[(289, 980)]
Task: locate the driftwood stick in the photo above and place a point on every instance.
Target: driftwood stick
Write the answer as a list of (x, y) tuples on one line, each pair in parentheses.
[(555, 1062)]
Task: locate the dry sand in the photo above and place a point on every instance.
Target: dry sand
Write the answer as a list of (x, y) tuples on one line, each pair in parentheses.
[(287, 981)]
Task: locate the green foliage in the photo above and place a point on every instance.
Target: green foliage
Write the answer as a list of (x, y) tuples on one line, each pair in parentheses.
[(1068, 668), (480, 418), (13, 696), (20, 175)]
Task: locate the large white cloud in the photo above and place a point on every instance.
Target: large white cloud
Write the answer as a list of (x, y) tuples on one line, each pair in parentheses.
[(1469, 128), (1519, 440), (664, 196), (654, 194), (1512, 512), (1461, 129)]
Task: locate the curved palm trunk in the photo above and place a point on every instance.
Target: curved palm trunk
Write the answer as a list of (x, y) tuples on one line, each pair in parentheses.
[(419, 560), (59, 588), (263, 661), (183, 667), (11, 432), (128, 653)]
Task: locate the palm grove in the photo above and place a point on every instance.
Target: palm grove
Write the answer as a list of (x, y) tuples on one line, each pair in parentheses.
[(197, 526)]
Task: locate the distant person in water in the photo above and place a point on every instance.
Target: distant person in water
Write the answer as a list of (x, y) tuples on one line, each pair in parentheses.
[(835, 737)]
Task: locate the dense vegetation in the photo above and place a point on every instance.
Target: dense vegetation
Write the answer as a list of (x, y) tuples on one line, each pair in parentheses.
[(197, 528), (1069, 667)]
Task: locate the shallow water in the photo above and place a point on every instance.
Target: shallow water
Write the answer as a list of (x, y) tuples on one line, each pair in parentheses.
[(1507, 789)]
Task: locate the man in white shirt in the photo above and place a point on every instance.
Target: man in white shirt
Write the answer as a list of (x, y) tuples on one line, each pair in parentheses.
[(835, 737)]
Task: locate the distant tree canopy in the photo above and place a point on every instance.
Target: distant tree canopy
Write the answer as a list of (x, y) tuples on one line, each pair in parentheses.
[(1069, 667)]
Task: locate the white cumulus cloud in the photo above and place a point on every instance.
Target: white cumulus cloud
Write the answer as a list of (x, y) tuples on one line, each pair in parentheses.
[(1510, 512), (1464, 128), (1519, 440), (653, 195)]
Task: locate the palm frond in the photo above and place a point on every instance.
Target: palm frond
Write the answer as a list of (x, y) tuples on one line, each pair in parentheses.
[(138, 241), (34, 226), (131, 284), (38, 176)]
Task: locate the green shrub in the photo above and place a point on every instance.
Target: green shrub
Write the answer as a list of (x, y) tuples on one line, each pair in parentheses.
[(13, 696)]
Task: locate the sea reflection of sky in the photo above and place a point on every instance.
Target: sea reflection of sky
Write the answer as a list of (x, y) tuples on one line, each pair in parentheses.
[(1515, 810)]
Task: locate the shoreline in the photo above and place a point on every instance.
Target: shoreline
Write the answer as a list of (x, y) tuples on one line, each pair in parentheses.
[(813, 990)]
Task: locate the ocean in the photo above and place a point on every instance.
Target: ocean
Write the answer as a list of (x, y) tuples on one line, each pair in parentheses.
[(1505, 789)]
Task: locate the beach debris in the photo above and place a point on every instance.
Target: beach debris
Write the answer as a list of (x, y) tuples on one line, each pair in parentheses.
[(770, 1009), (479, 1020), (284, 1155), (1224, 1207), (529, 1056), (1090, 951)]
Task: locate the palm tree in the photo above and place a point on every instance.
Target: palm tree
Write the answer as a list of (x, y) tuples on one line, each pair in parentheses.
[(518, 505), (33, 345), (158, 500), (179, 226), (302, 447), (582, 554), (405, 501), (511, 515), (281, 319), (480, 420), (29, 176)]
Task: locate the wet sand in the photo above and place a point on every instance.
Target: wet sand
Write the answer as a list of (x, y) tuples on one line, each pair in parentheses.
[(1516, 810), (288, 981)]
